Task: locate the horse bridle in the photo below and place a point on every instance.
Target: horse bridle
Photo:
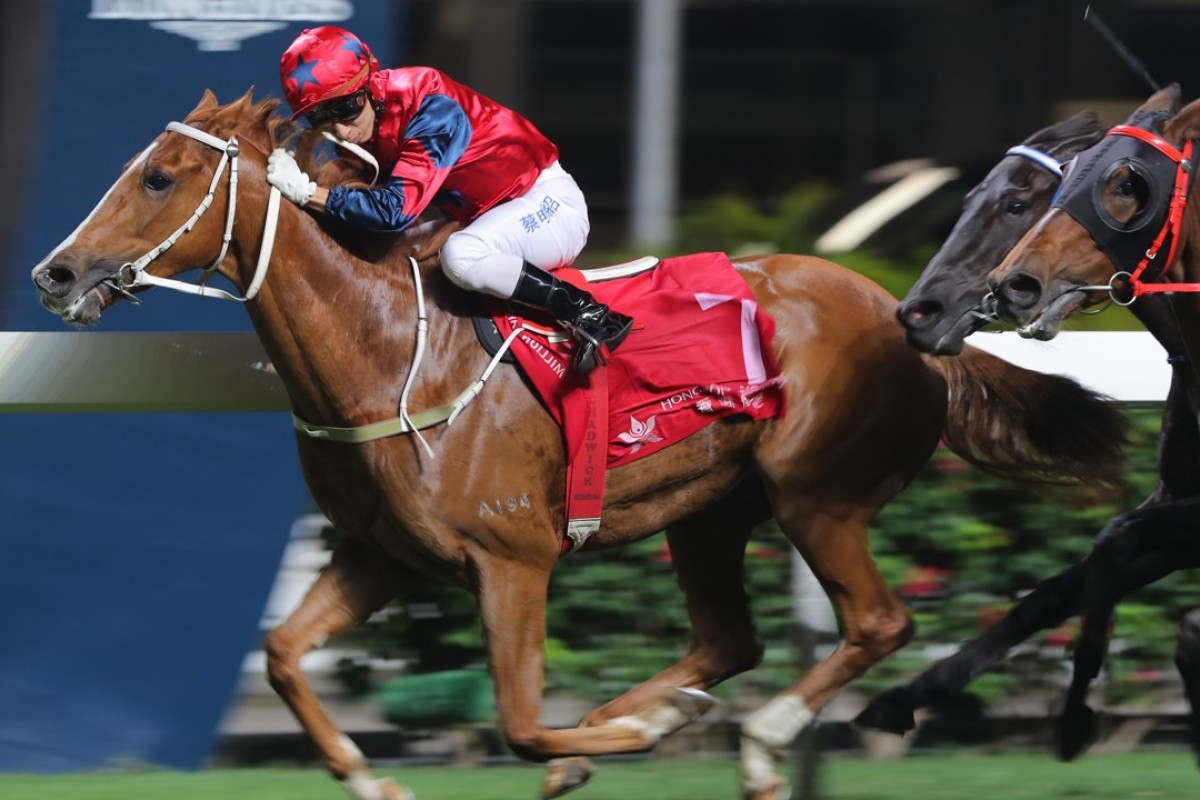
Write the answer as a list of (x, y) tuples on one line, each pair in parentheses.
[(1138, 265), (133, 274), (988, 310)]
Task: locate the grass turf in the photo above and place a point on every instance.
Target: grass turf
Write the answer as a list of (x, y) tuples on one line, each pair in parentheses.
[(1171, 776)]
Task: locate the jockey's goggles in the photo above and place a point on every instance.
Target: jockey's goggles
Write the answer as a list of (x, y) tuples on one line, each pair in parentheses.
[(340, 109)]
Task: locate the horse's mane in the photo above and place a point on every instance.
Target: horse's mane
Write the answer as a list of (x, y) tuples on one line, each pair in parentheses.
[(257, 123)]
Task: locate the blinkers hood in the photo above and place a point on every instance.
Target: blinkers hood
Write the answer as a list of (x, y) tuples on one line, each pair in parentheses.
[(1126, 243)]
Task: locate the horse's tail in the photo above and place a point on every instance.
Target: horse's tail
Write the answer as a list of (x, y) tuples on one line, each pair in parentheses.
[(1046, 432)]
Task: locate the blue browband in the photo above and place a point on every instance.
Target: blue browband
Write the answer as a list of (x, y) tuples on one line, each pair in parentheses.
[(1038, 157)]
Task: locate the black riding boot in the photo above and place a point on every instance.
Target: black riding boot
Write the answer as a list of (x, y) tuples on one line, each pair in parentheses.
[(592, 323)]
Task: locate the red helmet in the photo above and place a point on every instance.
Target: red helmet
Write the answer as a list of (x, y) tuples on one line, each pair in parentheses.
[(322, 64)]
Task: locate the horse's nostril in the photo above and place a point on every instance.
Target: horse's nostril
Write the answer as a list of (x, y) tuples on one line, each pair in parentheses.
[(53, 278), (919, 314), (1021, 290)]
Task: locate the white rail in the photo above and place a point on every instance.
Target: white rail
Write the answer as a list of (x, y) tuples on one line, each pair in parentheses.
[(93, 371)]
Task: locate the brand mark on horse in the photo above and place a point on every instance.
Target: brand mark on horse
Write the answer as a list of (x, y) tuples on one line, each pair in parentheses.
[(504, 505)]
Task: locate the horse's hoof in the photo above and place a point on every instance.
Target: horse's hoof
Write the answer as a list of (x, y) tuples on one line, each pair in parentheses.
[(362, 786), (779, 790), (692, 703), (1077, 731), (890, 712), (566, 775), (395, 791)]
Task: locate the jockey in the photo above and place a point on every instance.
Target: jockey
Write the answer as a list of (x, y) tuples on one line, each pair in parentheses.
[(445, 146)]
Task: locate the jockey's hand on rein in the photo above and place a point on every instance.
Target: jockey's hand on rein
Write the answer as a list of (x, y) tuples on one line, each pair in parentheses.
[(285, 175)]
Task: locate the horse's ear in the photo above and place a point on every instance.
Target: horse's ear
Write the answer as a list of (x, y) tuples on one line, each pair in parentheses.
[(1084, 119), (1164, 101), (1184, 125), (1066, 138), (244, 101), (1080, 132), (207, 101)]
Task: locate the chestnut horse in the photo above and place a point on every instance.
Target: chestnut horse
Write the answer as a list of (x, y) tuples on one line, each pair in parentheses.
[(338, 319), (950, 301), (1125, 227)]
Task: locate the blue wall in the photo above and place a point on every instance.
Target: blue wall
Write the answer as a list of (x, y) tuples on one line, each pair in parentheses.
[(136, 550)]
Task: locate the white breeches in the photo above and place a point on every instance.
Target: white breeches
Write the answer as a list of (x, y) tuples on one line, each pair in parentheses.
[(547, 226)]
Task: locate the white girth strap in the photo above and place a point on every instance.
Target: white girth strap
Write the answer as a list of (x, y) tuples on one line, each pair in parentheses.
[(133, 274), (406, 422)]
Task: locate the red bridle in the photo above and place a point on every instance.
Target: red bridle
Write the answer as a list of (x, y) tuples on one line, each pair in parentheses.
[(1174, 222)]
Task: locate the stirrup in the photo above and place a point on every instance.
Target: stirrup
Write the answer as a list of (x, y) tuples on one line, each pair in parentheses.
[(589, 352)]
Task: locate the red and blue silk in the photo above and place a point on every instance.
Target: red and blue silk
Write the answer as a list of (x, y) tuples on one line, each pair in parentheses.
[(445, 146)]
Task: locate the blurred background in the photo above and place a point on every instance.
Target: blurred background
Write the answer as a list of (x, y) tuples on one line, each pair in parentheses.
[(143, 554)]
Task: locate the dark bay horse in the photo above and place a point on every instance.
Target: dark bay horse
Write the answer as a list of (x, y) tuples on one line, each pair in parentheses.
[(864, 412), (1125, 227), (949, 302)]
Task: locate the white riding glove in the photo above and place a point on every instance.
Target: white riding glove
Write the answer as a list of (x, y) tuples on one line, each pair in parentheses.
[(285, 175)]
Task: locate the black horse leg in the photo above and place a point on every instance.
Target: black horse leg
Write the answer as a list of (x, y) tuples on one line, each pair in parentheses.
[(1187, 661), (1114, 548), (1153, 540), (1052, 601)]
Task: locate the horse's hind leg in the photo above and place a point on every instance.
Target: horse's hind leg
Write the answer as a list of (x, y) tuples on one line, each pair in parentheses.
[(356, 583), (874, 624), (1187, 661), (707, 553)]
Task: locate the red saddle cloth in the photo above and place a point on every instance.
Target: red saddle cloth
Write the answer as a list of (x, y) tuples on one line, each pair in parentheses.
[(700, 350)]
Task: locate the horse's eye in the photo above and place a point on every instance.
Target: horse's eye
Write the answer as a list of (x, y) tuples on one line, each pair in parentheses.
[(1014, 207), (156, 181), (1133, 187)]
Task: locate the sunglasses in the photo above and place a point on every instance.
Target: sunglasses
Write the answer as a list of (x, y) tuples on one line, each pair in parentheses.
[(342, 109)]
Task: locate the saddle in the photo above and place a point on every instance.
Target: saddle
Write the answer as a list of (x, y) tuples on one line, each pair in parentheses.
[(700, 350)]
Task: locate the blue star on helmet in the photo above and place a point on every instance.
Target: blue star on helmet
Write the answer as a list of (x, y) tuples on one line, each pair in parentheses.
[(302, 73), (352, 44)]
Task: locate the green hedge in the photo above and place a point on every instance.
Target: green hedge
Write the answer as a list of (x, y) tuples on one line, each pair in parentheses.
[(960, 547)]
